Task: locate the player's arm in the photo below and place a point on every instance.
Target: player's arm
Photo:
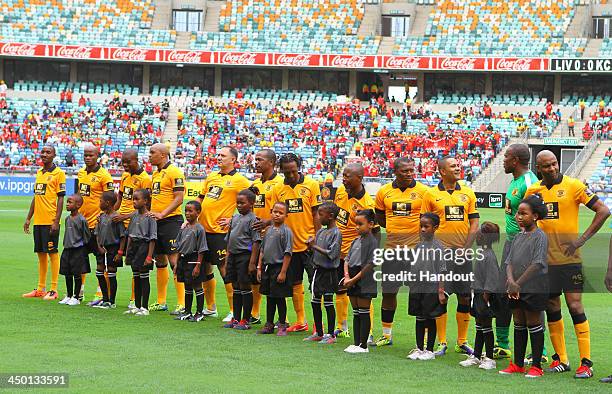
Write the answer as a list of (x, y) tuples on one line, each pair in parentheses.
[(119, 199), (315, 218), (177, 201), (58, 213), (601, 215), (315, 202), (253, 259), (474, 219), (26, 224), (260, 263), (202, 194), (379, 209), (608, 279), (101, 249), (282, 276), (149, 259)]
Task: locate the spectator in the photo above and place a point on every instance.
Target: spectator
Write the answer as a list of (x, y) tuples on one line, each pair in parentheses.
[(3, 89)]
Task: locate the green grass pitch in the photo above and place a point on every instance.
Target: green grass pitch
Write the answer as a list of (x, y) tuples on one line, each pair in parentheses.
[(105, 351)]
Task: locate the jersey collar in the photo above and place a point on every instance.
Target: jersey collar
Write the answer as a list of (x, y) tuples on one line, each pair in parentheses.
[(232, 172), (301, 180), (96, 169), (441, 187), (274, 174), (53, 167), (410, 185), (359, 195), (556, 182)]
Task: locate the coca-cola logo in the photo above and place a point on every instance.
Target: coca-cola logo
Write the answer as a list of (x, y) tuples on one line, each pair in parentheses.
[(183, 57), (239, 58), (514, 64), (458, 64), (403, 62), (349, 62), (129, 54), (294, 60), (73, 52), (18, 50)]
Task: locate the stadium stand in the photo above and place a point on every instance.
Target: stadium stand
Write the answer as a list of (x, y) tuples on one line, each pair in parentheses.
[(496, 28), (75, 87), (114, 125), (590, 101), (183, 91), (275, 95), (293, 25), (498, 99), (89, 22), (599, 123)]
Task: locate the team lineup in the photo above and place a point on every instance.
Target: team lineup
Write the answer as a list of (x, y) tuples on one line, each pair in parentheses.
[(283, 228)]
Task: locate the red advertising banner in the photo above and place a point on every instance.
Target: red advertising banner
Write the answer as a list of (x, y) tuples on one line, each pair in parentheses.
[(461, 63), (134, 54), (77, 52), (26, 50), (406, 62), (242, 58), (191, 57), (351, 61), (297, 60), (517, 64)]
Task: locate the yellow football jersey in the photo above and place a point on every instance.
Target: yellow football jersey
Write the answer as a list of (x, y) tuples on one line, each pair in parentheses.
[(91, 186), (300, 200), (402, 209), (129, 184), (163, 185), (455, 209), (48, 186), (562, 202), (263, 201), (348, 207), (219, 198)]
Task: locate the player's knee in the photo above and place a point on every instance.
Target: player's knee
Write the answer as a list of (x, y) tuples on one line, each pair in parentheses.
[(112, 270), (554, 304), (100, 268), (575, 307)]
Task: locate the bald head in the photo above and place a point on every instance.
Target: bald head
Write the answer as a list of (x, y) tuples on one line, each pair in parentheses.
[(521, 152), (161, 148), (91, 148), (548, 166), (129, 161), (355, 169), (545, 155), (352, 177), (91, 153), (129, 154)]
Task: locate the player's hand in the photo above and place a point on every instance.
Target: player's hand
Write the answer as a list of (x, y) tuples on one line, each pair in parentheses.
[(26, 226), (348, 283), (260, 225), (155, 215), (224, 223), (259, 274), (119, 218), (513, 295), (54, 227), (117, 258), (608, 281), (310, 242), (102, 250), (485, 297), (196, 271), (513, 287), (281, 277), (148, 262), (572, 247), (252, 269)]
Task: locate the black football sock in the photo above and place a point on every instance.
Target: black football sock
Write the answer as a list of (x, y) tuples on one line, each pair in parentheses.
[(356, 327), (146, 289), (103, 285), (77, 285), (478, 342), (520, 344), (317, 314), (247, 304), (237, 303), (536, 334), (137, 290), (365, 327), (112, 279), (420, 332), (282, 310), (489, 339), (270, 309), (69, 286), (199, 295), (430, 325), (328, 303), (188, 298)]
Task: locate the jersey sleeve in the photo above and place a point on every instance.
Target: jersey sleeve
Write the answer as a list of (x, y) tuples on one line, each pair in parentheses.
[(255, 235), (201, 242), (426, 203), (472, 209), (491, 281), (584, 195), (315, 195), (335, 246), (288, 239), (541, 250), (204, 189), (178, 181), (244, 183), (379, 204), (530, 190), (61, 184), (107, 182), (152, 229), (147, 183)]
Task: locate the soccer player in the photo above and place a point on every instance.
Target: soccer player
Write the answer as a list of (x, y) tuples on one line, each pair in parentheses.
[(168, 192), (265, 164), (134, 178), (302, 196), (608, 283), (350, 198), (242, 253), (516, 162), (398, 208), (93, 180), (218, 199), (74, 261), (456, 207), (108, 235), (46, 210), (562, 196)]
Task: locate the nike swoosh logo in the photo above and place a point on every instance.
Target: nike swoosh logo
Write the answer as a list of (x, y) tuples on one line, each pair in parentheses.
[(438, 199)]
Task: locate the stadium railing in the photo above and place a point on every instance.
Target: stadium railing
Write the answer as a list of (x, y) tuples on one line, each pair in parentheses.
[(574, 169)]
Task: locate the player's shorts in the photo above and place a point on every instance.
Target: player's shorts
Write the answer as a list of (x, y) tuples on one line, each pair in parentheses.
[(109, 257), (137, 254), (462, 288), (44, 241), (366, 287), (237, 269), (480, 308), (184, 269), (534, 302), (393, 267), (567, 278), (217, 248), (340, 275), (270, 286), (92, 248), (324, 281), (300, 262), (425, 305), (167, 231), (74, 261)]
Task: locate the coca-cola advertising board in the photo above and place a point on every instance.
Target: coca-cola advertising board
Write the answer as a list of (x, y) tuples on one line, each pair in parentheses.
[(406, 62), (297, 60), (351, 61), (518, 64), (25, 50), (77, 52), (187, 57), (134, 55), (461, 63), (242, 58)]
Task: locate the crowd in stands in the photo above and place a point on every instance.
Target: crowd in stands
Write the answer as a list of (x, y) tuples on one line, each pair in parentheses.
[(598, 123), (25, 125)]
